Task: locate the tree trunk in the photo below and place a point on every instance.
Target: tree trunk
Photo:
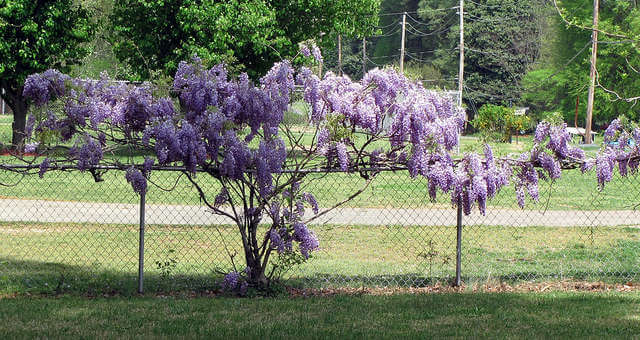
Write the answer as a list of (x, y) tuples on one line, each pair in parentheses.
[(18, 104), (256, 276), (19, 123)]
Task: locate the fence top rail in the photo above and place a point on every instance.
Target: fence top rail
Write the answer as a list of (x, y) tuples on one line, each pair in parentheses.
[(69, 167)]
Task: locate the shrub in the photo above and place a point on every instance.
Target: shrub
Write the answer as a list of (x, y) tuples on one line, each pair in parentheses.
[(499, 123)]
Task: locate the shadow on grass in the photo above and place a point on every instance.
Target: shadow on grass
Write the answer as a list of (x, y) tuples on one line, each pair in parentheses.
[(18, 276)]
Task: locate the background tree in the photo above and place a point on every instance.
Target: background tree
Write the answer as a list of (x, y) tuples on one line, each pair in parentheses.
[(566, 79), (101, 57), (502, 41), (250, 35), (35, 36)]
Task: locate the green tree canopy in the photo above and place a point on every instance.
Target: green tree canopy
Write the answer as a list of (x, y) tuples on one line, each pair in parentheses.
[(618, 63), (35, 36), (502, 41), (155, 35)]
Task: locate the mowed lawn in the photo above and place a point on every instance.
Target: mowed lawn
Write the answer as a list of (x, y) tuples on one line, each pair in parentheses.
[(81, 258), (403, 316), (574, 191), (390, 189)]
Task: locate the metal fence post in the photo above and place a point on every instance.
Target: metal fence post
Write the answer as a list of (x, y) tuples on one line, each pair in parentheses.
[(459, 243), (141, 246)]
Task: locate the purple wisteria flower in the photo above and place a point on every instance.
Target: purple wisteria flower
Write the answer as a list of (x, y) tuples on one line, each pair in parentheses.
[(44, 166), (304, 49), (88, 154), (31, 147), (317, 55), (343, 156), (137, 180), (306, 238), (46, 86)]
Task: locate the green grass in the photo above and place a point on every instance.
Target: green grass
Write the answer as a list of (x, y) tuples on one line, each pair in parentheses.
[(483, 315), (574, 191), (5, 128), (77, 258)]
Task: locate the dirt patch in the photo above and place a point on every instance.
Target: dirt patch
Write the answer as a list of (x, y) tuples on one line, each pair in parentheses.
[(538, 287)]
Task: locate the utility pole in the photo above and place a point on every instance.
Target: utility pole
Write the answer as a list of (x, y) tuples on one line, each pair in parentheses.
[(592, 86), (364, 56), (461, 62), (404, 22), (461, 66), (339, 54), (458, 281)]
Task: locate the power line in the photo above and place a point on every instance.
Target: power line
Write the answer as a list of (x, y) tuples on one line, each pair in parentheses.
[(425, 23), (391, 24), (420, 11), (412, 57), (419, 33), (475, 18), (483, 5), (388, 33), (386, 56), (539, 83), (374, 63)]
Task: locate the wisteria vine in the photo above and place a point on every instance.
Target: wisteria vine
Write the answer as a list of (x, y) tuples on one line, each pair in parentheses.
[(231, 129)]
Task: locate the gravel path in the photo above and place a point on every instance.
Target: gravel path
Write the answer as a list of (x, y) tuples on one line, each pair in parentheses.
[(86, 212)]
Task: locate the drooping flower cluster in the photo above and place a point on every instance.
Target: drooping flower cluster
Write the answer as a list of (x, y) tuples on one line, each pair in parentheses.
[(88, 153), (288, 226), (43, 87), (234, 282), (621, 147), (137, 180), (476, 181), (207, 130), (551, 149), (308, 49)]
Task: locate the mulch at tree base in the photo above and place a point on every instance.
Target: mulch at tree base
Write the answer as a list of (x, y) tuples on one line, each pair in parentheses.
[(525, 287), (534, 287)]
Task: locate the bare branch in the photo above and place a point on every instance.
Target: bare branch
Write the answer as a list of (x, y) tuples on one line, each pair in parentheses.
[(555, 4), (337, 205)]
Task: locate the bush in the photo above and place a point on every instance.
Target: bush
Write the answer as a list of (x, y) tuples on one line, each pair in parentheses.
[(499, 123)]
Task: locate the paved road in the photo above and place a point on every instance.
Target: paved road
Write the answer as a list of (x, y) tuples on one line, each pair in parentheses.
[(79, 212)]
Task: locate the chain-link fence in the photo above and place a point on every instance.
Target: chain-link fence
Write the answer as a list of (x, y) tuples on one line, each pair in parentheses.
[(66, 232)]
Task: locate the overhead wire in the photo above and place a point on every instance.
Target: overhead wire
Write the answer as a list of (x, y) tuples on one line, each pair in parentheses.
[(418, 22), (396, 31), (483, 5), (383, 27), (416, 32), (420, 11)]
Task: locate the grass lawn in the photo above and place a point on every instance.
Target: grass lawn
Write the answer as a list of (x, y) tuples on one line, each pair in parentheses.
[(574, 191), (465, 315), (45, 258)]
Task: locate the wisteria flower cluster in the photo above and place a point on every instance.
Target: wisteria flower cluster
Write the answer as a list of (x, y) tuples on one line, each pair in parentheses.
[(235, 282), (621, 147)]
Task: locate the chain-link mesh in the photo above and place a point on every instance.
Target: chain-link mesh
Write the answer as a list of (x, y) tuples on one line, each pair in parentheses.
[(67, 232)]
